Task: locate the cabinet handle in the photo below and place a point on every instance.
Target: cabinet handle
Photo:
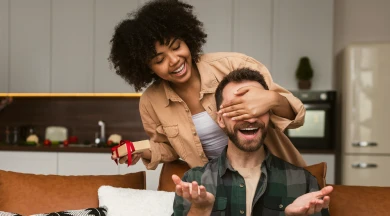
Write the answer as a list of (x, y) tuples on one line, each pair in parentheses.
[(364, 165), (364, 144)]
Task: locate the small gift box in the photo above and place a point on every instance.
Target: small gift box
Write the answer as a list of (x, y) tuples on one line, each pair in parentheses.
[(127, 147)]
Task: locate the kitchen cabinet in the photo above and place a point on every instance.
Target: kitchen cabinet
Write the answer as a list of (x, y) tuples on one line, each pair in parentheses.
[(86, 164), (4, 45), (366, 170), (29, 42), (302, 28), (108, 15), (72, 48), (252, 27), (152, 176), (29, 162), (217, 18), (330, 162)]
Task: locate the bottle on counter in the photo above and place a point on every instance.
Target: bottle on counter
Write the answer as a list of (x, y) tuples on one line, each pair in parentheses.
[(32, 138), (7, 135), (16, 136)]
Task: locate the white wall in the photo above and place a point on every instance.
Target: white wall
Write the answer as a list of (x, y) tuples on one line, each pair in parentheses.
[(359, 21)]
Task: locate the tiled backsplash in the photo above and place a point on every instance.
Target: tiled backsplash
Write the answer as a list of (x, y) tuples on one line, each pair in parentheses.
[(80, 115)]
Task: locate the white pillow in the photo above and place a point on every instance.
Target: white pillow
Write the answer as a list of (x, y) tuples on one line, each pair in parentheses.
[(127, 201)]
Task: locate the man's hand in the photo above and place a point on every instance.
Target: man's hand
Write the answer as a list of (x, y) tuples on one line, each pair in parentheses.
[(201, 201), (310, 203)]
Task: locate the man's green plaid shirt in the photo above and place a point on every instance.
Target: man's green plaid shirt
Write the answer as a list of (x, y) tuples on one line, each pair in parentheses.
[(280, 184)]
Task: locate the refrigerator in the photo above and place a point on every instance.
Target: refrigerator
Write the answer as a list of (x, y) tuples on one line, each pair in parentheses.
[(365, 116)]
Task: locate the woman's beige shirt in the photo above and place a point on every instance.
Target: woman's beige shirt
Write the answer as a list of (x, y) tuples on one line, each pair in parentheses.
[(168, 121)]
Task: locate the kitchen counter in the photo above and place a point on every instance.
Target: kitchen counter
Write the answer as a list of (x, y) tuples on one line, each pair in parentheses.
[(55, 148)]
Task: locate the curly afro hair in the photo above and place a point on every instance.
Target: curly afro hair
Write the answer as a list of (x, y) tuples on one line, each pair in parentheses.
[(133, 42)]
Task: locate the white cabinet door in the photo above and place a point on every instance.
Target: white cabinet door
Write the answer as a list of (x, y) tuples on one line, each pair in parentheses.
[(365, 170), (72, 46), (217, 17), (29, 162), (252, 27), (366, 106), (4, 45), (29, 46), (303, 28), (86, 164), (108, 15), (152, 176), (330, 162)]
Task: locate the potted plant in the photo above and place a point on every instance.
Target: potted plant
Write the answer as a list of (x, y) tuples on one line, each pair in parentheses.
[(304, 73)]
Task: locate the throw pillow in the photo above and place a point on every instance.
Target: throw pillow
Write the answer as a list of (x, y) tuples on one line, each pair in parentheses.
[(101, 211), (8, 214), (127, 201)]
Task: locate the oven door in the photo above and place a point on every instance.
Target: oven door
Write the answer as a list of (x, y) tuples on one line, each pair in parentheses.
[(316, 131)]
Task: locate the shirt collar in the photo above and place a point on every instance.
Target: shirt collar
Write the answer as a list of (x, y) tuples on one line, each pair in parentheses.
[(223, 162), (208, 82)]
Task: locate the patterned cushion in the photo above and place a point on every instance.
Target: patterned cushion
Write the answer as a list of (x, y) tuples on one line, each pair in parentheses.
[(101, 211), (8, 214)]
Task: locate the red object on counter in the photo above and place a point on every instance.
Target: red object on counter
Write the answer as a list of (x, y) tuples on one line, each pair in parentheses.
[(73, 139), (66, 143), (46, 142)]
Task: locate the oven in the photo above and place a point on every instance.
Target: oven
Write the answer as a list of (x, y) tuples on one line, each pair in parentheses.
[(318, 131)]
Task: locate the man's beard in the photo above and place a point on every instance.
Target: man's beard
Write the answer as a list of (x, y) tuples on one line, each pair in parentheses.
[(247, 145)]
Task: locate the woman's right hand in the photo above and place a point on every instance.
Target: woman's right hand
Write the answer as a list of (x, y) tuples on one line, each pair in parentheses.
[(134, 158)]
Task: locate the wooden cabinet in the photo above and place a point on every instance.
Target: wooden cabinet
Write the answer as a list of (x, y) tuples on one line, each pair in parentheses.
[(72, 48), (29, 162), (107, 15), (86, 164), (29, 42), (330, 162), (4, 45), (302, 28)]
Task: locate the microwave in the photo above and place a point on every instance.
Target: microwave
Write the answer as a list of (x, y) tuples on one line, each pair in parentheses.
[(318, 131)]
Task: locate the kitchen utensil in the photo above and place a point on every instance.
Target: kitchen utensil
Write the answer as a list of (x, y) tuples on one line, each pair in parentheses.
[(56, 133)]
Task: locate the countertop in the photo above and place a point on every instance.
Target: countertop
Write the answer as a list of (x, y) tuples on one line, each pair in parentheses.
[(55, 148)]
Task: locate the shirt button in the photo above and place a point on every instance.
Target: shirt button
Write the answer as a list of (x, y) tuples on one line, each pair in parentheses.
[(242, 211), (201, 154), (187, 110), (194, 133), (241, 185), (280, 206)]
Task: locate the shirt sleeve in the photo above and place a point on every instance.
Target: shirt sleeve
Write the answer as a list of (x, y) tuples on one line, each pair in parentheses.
[(296, 105), (161, 149)]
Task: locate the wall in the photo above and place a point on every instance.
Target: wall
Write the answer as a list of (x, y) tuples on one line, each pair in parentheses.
[(358, 21)]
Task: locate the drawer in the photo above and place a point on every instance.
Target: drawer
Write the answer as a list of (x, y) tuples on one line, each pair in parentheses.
[(365, 170)]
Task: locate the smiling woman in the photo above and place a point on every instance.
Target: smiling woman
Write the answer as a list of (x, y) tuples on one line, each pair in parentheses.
[(161, 44)]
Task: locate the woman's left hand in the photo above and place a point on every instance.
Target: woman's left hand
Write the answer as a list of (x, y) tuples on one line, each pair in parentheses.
[(250, 102)]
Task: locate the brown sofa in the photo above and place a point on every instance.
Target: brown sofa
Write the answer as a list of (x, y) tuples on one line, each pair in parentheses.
[(30, 194)]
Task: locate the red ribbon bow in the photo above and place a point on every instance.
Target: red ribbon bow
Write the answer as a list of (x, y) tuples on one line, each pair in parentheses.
[(130, 150)]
